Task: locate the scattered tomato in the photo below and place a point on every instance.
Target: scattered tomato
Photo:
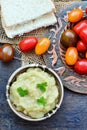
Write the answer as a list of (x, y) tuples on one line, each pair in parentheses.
[(75, 15), (71, 56), (81, 66), (6, 53), (42, 46), (68, 38), (81, 46), (28, 44)]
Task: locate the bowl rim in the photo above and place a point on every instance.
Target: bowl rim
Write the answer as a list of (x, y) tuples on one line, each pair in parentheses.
[(36, 66)]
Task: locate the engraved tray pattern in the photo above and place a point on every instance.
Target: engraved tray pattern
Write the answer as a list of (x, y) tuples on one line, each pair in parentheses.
[(54, 56)]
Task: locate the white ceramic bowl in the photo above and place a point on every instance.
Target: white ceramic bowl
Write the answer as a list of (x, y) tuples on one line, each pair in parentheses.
[(46, 69)]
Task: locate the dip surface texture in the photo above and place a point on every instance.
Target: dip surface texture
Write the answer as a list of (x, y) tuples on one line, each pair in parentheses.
[(37, 99)]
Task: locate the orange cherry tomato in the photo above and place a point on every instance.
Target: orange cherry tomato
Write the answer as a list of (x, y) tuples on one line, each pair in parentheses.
[(42, 46), (71, 56), (75, 15)]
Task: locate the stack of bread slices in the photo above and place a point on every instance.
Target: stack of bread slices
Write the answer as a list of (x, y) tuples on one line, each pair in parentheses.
[(22, 16)]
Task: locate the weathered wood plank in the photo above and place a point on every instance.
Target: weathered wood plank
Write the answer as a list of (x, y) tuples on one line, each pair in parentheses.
[(71, 115)]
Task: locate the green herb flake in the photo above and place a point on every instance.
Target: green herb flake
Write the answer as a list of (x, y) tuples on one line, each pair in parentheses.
[(22, 92), (42, 101), (42, 86)]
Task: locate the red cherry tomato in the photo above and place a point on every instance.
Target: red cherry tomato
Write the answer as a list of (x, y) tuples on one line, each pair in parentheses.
[(83, 34), (86, 10), (0, 53), (42, 46), (28, 44), (71, 56), (80, 26), (6, 53), (75, 15), (81, 66), (81, 46)]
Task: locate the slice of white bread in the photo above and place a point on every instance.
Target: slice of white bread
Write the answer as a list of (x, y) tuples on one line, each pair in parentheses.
[(43, 21), (21, 11)]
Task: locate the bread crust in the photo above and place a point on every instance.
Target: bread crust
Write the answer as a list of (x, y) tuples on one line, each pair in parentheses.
[(43, 21)]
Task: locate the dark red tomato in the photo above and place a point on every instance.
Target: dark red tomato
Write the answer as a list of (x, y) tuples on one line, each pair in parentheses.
[(81, 46), (68, 38), (28, 44), (6, 53), (81, 66)]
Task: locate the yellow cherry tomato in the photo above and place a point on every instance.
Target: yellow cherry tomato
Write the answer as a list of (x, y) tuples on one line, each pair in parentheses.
[(75, 15), (71, 55), (42, 46)]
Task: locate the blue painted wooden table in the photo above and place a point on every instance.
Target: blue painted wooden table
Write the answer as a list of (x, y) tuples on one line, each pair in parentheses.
[(71, 115)]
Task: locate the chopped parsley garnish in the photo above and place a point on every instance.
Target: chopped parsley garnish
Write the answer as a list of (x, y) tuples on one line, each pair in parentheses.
[(42, 101), (22, 92), (42, 86)]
